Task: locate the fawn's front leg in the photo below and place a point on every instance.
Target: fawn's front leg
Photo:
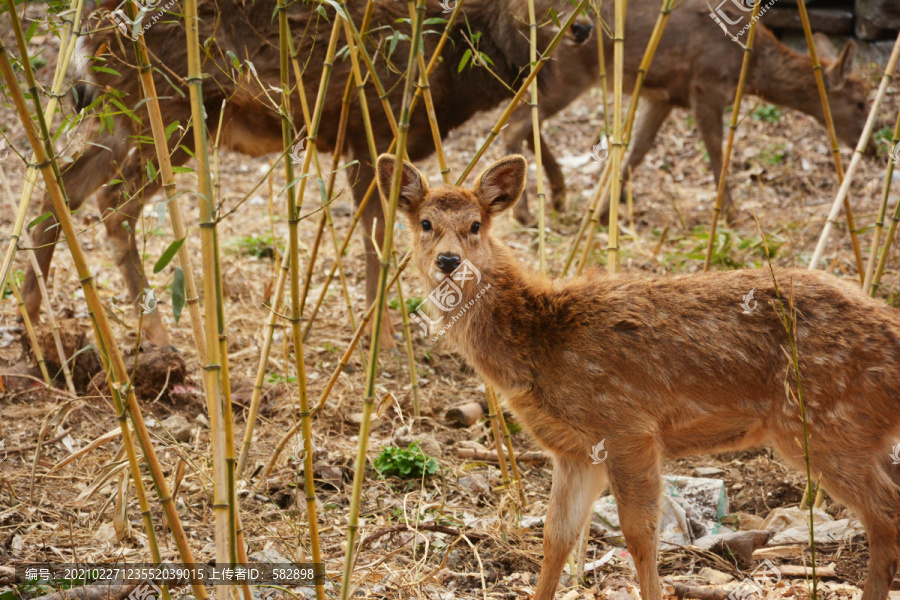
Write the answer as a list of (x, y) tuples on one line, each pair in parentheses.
[(634, 472), (575, 486)]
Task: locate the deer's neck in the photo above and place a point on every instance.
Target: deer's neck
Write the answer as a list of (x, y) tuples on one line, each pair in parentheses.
[(782, 76)]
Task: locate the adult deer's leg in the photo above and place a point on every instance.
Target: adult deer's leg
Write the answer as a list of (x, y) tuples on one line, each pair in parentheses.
[(575, 486), (91, 170), (553, 171), (120, 208), (707, 112), (650, 117), (518, 130), (372, 221), (648, 120), (634, 473)]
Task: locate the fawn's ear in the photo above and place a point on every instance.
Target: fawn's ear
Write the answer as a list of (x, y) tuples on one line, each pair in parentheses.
[(501, 184), (412, 186)]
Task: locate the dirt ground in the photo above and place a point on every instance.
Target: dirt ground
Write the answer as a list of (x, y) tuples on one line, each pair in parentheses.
[(781, 172)]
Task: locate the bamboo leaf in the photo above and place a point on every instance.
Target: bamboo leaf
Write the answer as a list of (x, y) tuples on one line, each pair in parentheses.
[(182, 170), (39, 219), (170, 128), (465, 60), (98, 69), (337, 8), (178, 294), (167, 256)]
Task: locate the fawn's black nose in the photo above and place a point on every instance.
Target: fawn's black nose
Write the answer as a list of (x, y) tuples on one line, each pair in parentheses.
[(448, 262), (581, 31)]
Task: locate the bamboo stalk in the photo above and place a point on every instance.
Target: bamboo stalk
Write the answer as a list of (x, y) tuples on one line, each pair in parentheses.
[(514, 466), (857, 157), (732, 129), (493, 409), (112, 358), (882, 210), (618, 146), (225, 524), (536, 131), (601, 59), (832, 136), (294, 250), (167, 180), (345, 360), (66, 49), (611, 168), (256, 396), (45, 296), (403, 132), (32, 336)]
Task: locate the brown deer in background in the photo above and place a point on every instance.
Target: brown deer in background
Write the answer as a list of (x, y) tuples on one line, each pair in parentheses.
[(696, 67), (252, 126), (659, 368)]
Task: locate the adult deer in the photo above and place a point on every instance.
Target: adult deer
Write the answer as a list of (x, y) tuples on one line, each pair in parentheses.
[(696, 67), (248, 31), (662, 367)]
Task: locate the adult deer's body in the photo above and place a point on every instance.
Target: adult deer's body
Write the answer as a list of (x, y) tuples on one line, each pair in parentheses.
[(251, 125), (664, 367), (696, 67)]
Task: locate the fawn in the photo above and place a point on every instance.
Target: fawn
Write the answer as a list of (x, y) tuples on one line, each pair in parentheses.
[(696, 67), (250, 124), (659, 368)]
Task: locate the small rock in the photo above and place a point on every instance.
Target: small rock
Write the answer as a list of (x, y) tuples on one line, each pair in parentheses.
[(708, 472), (179, 427), (746, 521), (715, 577)]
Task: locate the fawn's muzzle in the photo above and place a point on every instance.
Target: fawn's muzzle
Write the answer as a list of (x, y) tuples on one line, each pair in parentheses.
[(448, 262)]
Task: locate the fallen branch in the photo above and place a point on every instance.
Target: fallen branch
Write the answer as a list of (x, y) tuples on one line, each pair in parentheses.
[(700, 593), (483, 456)]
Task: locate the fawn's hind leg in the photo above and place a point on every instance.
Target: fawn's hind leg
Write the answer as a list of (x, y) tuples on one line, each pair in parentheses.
[(575, 486), (634, 473)]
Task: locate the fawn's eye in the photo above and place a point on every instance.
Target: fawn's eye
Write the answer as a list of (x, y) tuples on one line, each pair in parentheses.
[(861, 106), (475, 227), (426, 225)]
